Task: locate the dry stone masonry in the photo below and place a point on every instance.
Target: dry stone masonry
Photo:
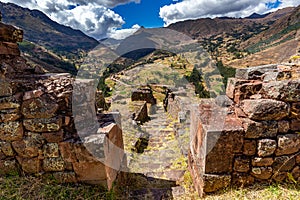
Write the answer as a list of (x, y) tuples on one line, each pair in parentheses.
[(38, 135), (251, 134)]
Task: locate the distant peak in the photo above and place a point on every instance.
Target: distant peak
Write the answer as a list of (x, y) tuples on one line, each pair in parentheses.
[(257, 16)]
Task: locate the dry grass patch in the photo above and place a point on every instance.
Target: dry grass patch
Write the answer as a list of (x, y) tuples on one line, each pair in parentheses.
[(38, 188)]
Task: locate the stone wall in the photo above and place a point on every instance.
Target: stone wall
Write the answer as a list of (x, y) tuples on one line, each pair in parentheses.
[(252, 134), (39, 132)]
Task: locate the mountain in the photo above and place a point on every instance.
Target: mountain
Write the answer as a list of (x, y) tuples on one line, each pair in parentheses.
[(257, 16), (239, 42), (57, 41)]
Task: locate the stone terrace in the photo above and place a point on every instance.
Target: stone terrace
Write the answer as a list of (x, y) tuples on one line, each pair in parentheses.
[(252, 134), (37, 123)]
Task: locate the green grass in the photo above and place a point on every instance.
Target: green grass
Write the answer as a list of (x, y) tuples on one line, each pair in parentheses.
[(36, 188), (284, 191)]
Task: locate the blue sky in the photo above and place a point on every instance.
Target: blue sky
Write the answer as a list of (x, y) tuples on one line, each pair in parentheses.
[(275, 4), (121, 18), (146, 13)]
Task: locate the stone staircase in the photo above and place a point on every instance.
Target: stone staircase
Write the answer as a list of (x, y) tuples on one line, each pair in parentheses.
[(162, 160)]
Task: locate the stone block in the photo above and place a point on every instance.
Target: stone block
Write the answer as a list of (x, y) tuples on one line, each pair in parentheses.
[(30, 165), (10, 33), (241, 165), (298, 159), (53, 164), (8, 48), (10, 103), (265, 109), (67, 151), (220, 158), (140, 111), (213, 183), (143, 94), (91, 172), (9, 117), (295, 125), (231, 85), (7, 149), (223, 101), (42, 107), (263, 173), (266, 147), (32, 94), (262, 162), (288, 144), (245, 91), (264, 129), (50, 150), (287, 90), (255, 73), (249, 148), (55, 137), (6, 88), (43, 125), (11, 131), (284, 163), (8, 167), (96, 144), (283, 126), (242, 179)]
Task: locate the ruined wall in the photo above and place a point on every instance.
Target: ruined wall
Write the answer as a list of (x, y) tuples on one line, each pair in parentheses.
[(252, 134), (38, 133)]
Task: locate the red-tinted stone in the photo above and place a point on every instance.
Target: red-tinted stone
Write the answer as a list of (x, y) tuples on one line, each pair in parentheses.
[(213, 183), (262, 172), (43, 125), (241, 165), (242, 179), (265, 109), (249, 148), (266, 147), (262, 162), (288, 144), (11, 131), (30, 165), (42, 107), (55, 137)]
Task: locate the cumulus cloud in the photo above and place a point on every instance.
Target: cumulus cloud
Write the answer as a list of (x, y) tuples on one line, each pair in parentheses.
[(193, 9), (123, 33), (93, 17)]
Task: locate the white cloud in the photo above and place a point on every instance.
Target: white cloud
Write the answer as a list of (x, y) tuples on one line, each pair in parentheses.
[(94, 17), (289, 3), (123, 33), (59, 4), (95, 21), (193, 9)]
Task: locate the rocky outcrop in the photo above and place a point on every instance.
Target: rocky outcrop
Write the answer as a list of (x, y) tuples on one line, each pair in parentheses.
[(252, 139)]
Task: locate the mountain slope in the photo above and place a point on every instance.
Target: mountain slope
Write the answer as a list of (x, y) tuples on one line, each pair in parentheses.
[(248, 41), (47, 44), (40, 29)]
